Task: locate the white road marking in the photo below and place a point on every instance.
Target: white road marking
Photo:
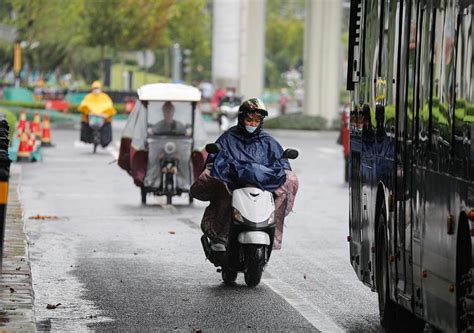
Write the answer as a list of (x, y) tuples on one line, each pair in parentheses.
[(113, 151), (308, 310), (80, 144), (330, 151)]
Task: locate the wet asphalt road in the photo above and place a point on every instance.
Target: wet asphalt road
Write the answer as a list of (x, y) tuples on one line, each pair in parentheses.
[(114, 264)]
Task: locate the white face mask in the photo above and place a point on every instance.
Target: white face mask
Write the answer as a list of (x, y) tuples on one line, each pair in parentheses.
[(250, 129), (96, 90)]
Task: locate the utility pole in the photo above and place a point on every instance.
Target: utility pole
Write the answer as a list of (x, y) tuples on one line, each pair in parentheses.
[(176, 66), (17, 63)]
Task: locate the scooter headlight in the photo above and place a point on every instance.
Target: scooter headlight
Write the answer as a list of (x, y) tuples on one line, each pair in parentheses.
[(271, 219), (238, 216)]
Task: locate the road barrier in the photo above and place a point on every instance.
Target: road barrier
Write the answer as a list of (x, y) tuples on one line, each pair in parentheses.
[(4, 177), (46, 135)]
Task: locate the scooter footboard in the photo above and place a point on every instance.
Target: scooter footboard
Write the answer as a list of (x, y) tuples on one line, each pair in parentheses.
[(254, 237)]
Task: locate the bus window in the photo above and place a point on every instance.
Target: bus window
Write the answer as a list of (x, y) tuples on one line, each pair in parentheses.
[(411, 61), (443, 88), (426, 25), (464, 105), (389, 67)]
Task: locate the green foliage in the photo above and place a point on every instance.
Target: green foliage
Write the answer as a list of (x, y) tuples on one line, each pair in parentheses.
[(284, 39), (32, 105), (11, 119), (296, 121), (190, 26)]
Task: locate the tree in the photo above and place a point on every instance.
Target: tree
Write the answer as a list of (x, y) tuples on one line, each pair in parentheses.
[(49, 31), (190, 26), (284, 39)]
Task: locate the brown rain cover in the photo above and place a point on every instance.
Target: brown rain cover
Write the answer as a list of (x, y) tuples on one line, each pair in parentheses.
[(216, 219)]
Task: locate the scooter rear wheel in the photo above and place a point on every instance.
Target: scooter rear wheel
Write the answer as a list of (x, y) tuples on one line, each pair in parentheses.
[(143, 195), (255, 261), (229, 276)]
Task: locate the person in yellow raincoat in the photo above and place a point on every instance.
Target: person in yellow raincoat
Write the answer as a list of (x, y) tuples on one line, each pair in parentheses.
[(97, 103)]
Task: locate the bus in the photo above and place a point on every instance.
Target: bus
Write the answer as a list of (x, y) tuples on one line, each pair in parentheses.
[(411, 162)]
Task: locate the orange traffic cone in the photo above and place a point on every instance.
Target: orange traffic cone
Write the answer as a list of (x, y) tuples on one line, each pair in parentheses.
[(21, 126), (46, 137), (24, 149), (35, 125)]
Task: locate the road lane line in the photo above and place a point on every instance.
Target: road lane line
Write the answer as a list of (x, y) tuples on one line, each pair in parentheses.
[(113, 151), (308, 310)]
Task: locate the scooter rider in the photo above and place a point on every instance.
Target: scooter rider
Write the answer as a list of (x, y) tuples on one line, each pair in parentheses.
[(248, 155), (97, 102)]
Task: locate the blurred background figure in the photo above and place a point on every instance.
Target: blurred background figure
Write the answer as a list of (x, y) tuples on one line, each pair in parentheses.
[(283, 101)]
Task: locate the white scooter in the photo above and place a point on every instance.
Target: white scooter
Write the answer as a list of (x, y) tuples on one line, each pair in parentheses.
[(251, 233), (228, 116)]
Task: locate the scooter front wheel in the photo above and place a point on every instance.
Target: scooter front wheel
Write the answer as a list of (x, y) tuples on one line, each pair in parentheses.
[(229, 276), (255, 261)]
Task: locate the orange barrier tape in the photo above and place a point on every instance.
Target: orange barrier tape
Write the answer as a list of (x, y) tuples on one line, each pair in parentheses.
[(3, 193)]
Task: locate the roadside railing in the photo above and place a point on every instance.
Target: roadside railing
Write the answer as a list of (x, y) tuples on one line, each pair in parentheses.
[(4, 177)]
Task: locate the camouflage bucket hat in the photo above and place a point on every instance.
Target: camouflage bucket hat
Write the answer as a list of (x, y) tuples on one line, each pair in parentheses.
[(253, 105)]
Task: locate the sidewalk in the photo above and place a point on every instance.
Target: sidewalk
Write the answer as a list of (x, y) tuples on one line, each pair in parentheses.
[(16, 289)]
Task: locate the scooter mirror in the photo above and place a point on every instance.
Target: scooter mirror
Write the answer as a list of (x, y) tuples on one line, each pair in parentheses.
[(290, 154), (212, 148)]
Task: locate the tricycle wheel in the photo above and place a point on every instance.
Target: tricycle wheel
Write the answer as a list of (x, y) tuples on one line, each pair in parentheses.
[(169, 199), (143, 193), (191, 199)]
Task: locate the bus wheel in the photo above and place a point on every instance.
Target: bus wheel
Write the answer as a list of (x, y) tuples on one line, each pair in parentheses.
[(387, 308), (464, 279), (393, 317)]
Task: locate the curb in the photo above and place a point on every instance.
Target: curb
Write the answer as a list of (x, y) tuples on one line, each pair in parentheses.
[(17, 312)]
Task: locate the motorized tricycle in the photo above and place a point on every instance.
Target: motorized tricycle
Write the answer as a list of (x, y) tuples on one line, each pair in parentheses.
[(161, 145)]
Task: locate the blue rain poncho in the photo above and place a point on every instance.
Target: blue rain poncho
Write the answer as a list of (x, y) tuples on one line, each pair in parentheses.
[(249, 159)]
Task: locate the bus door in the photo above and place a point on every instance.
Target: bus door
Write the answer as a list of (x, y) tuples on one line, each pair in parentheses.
[(403, 170)]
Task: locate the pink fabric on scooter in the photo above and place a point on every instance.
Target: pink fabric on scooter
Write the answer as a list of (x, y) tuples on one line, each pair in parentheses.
[(216, 219)]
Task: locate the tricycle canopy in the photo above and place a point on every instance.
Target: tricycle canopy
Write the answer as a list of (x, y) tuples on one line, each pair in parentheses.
[(169, 92)]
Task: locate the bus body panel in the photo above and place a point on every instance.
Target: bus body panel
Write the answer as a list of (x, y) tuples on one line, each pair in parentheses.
[(411, 120)]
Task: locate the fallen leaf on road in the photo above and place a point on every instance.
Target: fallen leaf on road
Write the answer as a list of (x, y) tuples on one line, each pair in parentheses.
[(12, 290), (172, 232), (44, 217), (52, 306), (18, 268), (135, 253), (304, 276)]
